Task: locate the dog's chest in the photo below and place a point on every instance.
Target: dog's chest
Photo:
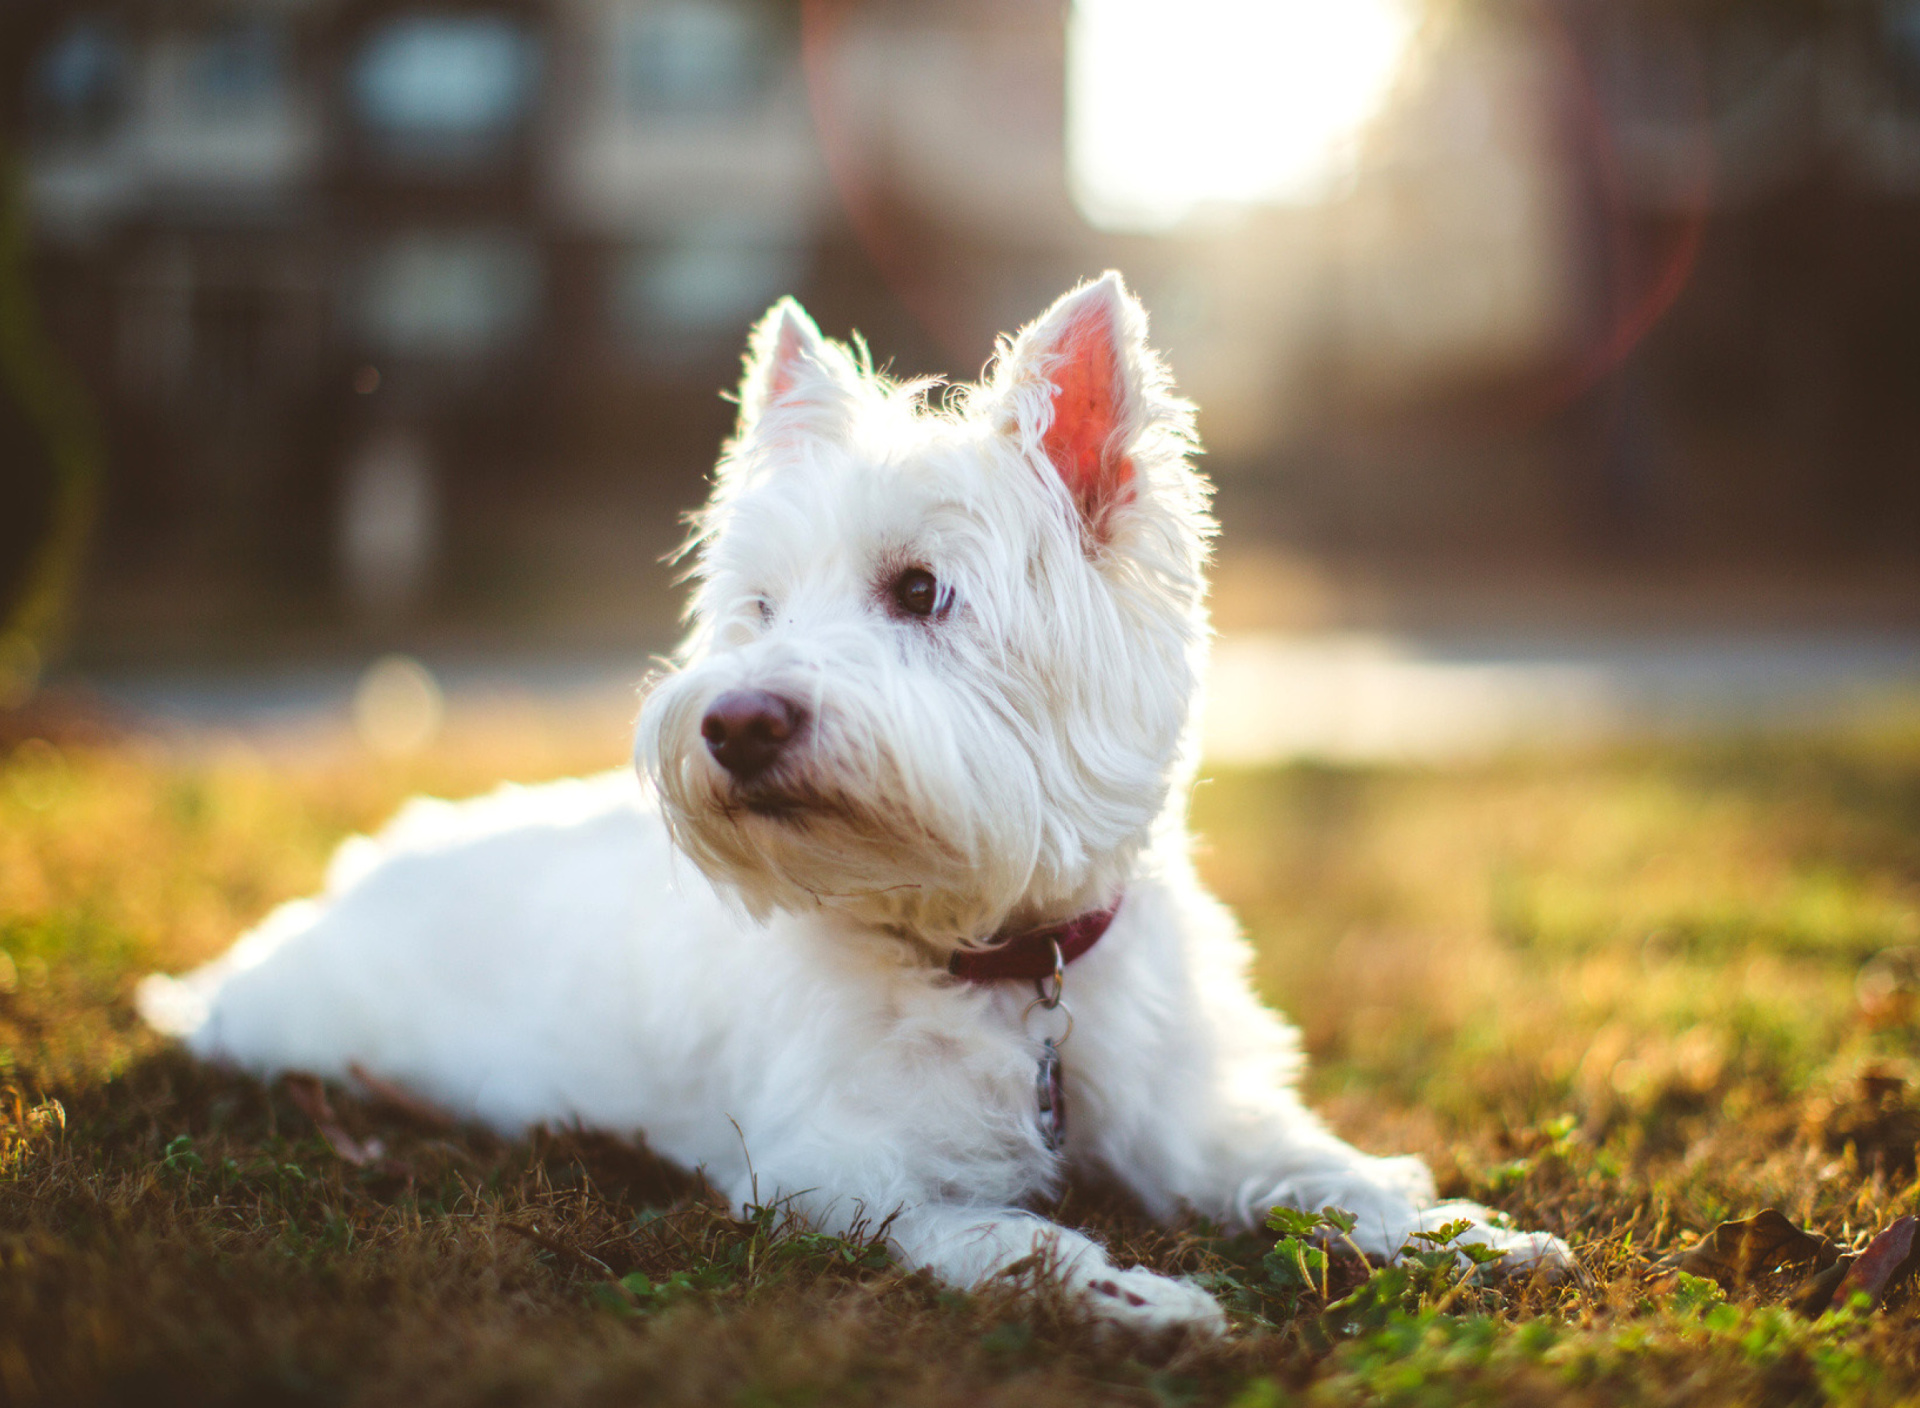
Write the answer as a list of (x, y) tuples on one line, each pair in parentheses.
[(848, 1048), (969, 1071)]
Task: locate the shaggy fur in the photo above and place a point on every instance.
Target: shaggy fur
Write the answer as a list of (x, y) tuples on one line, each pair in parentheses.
[(750, 972)]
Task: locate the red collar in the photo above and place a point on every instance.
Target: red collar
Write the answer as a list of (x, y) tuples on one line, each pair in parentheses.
[(1030, 955)]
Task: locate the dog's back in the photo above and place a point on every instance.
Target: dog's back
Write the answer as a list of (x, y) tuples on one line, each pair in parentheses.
[(480, 953)]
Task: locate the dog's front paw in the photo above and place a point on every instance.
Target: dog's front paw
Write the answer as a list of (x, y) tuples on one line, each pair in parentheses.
[(1521, 1253), (1149, 1303)]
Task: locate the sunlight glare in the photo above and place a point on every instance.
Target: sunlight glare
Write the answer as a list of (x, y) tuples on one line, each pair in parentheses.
[(1172, 107)]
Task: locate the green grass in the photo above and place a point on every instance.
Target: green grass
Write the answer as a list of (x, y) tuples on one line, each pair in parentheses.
[(1612, 994)]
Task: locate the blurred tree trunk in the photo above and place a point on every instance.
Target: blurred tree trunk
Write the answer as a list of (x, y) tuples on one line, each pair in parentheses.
[(50, 455)]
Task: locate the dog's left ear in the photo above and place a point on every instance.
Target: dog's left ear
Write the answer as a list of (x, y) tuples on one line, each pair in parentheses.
[(794, 378), (1073, 385)]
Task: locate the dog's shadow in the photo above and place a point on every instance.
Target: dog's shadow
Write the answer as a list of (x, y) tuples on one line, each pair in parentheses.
[(351, 1173), (365, 1141)]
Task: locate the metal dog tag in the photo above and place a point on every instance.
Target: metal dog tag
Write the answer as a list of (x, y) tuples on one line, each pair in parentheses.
[(1050, 1093)]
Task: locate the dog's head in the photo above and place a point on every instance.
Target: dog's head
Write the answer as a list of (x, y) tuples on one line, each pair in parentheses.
[(943, 661)]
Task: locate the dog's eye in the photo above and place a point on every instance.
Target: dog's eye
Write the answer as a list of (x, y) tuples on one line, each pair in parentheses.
[(764, 607), (916, 592)]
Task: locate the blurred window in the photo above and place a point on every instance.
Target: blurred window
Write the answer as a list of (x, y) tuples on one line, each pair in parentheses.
[(1900, 23), (79, 85), (685, 301), (456, 296), (218, 328), (236, 71), (680, 60), (446, 85)]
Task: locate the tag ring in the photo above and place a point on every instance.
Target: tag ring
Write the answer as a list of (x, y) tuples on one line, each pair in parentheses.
[(1055, 1000)]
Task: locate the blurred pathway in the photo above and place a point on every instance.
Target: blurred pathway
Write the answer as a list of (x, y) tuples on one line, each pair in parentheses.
[(1339, 697), (1361, 698)]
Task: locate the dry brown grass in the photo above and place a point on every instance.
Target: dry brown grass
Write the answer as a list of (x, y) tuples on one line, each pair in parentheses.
[(1613, 995)]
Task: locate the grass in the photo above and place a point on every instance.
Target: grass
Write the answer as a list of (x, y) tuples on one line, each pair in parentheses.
[(1613, 994)]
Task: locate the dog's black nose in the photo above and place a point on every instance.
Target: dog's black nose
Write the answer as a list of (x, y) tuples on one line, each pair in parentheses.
[(747, 729)]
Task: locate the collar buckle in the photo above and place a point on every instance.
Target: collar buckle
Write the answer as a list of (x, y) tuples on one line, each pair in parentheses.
[(1041, 996)]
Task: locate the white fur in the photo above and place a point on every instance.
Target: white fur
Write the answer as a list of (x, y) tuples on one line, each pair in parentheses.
[(776, 1012)]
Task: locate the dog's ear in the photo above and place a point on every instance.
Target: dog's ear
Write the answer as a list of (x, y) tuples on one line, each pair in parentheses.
[(795, 380), (1073, 384)]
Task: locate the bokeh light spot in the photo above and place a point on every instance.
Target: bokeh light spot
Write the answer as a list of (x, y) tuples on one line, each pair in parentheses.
[(397, 707), (1174, 108)]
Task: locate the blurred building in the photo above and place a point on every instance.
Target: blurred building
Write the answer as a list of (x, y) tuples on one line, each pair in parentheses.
[(359, 282), (395, 303)]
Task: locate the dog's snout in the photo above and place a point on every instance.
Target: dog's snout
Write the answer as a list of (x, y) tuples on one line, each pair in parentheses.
[(747, 729)]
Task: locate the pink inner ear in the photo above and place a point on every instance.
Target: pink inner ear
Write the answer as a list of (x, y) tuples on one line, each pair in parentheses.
[(786, 359), (1086, 413)]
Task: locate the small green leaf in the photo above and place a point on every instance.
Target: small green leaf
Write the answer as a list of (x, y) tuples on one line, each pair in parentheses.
[(1507, 1175), (606, 1296), (1446, 1232), (1259, 1393), (1293, 1222), (639, 1284), (180, 1156), (1696, 1293), (1479, 1253)]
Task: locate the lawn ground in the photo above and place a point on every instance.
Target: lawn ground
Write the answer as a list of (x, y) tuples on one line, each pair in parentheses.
[(1619, 995)]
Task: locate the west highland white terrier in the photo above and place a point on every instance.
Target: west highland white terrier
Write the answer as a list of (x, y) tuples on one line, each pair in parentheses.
[(901, 923)]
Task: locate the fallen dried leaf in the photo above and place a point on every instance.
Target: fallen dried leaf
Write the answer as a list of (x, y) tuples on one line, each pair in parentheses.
[(1887, 1255), (1813, 1295), (311, 1096), (401, 1099), (1736, 1252)]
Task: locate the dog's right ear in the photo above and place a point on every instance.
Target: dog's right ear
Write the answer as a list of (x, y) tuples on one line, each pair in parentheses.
[(796, 381), (1080, 389)]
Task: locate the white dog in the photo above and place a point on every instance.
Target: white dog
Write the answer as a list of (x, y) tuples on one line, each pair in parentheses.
[(927, 752)]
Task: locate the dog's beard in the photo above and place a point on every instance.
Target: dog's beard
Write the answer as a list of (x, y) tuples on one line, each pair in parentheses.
[(802, 845), (789, 848), (846, 822)]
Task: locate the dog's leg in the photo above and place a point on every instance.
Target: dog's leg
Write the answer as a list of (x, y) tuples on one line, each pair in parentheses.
[(969, 1246), (1391, 1198), (1246, 1159), (1217, 1126)]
